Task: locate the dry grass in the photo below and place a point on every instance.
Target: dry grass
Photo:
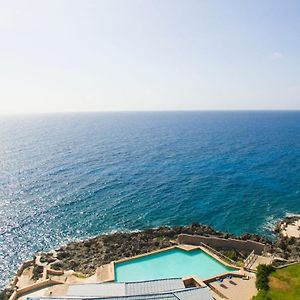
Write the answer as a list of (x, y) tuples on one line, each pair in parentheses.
[(277, 284)]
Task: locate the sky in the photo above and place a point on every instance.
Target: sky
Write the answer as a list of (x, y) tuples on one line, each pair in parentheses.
[(66, 56)]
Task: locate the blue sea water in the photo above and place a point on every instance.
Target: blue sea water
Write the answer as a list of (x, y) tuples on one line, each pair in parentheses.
[(70, 176)]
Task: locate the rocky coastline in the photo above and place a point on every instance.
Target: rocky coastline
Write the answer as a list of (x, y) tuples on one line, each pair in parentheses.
[(85, 256)]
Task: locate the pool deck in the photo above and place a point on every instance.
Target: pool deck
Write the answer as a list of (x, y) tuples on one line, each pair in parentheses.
[(106, 273), (236, 288)]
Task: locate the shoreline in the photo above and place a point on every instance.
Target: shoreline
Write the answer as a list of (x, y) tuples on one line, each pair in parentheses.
[(84, 256)]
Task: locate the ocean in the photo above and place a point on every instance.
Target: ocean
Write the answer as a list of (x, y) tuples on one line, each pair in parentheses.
[(70, 176)]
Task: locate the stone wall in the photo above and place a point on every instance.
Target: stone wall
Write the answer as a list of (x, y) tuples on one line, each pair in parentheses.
[(23, 266), (216, 242), (43, 282), (30, 288)]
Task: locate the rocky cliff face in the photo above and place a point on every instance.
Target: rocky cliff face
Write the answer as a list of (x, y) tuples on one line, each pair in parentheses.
[(86, 256)]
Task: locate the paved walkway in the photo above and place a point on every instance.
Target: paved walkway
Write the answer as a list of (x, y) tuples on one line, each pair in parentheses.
[(105, 273), (260, 260), (236, 288), (26, 278)]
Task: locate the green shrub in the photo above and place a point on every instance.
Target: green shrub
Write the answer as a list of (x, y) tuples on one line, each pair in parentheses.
[(80, 275), (4, 295), (231, 254), (262, 276)]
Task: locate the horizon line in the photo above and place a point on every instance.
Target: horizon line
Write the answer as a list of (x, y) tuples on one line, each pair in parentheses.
[(146, 111)]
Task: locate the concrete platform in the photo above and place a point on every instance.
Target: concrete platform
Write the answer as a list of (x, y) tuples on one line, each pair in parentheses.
[(236, 288)]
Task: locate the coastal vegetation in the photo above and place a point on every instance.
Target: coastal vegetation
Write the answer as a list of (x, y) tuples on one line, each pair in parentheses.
[(280, 284), (3, 295), (80, 275), (262, 276)]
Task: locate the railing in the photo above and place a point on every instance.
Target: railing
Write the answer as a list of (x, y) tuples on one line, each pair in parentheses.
[(250, 260), (219, 254)]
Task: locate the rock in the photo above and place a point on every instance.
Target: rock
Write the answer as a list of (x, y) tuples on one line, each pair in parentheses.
[(225, 236), (58, 265), (73, 264), (43, 259), (37, 272), (62, 254), (88, 243)]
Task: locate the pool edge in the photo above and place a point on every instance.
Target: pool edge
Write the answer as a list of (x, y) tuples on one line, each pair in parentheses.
[(181, 247)]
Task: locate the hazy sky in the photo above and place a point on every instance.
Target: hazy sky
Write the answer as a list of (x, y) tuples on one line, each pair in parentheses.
[(149, 55)]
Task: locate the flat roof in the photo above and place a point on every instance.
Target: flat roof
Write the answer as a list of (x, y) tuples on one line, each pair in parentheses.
[(113, 289), (184, 294)]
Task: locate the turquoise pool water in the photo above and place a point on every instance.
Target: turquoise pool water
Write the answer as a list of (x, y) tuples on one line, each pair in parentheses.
[(173, 263)]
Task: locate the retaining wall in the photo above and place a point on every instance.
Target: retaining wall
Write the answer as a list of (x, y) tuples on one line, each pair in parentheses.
[(55, 272), (216, 242), (24, 265), (37, 285)]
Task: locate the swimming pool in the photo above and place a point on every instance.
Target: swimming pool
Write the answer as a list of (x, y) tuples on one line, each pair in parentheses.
[(173, 263)]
